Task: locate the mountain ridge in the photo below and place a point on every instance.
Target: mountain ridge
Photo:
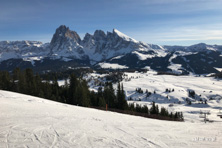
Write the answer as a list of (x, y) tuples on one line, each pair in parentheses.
[(66, 45)]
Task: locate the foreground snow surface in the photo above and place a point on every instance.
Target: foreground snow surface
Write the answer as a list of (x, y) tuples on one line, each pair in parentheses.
[(34, 122)]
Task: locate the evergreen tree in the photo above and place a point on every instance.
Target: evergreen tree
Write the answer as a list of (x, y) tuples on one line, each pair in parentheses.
[(93, 98), (55, 89), (30, 81), (176, 115), (164, 112), (85, 99), (22, 85), (154, 109), (145, 109), (109, 95), (99, 94), (102, 102), (15, 78), (6, 83), (73, 84), (122, 104)]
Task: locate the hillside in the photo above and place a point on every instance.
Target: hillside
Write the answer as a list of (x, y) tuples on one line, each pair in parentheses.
[(34, 122)]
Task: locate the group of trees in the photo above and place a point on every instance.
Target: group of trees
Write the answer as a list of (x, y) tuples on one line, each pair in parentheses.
[(74, 92), (156, 113), (169, 90), (191, 93), (110, 97), (139, 90)]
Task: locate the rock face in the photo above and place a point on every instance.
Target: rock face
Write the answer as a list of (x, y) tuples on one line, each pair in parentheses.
[(68, 50), (66, 43), (101, 46), (63, 35), (96, 47)]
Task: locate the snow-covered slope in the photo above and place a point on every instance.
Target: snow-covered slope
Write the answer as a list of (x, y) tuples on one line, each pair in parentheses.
[(194, 48), (22, 50), (33, 122)]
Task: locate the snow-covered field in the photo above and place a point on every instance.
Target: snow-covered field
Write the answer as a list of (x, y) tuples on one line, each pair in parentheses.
[(204, 87), (27, 121)]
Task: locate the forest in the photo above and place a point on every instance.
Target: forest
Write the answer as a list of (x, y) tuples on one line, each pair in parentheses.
[(75, 91)]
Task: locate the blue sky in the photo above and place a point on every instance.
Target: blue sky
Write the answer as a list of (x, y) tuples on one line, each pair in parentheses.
[(164, 22)]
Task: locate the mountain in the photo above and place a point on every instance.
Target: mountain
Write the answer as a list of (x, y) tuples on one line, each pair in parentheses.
[(171, 60), (107, 50), (66, 43), (101, 46), (22, 49)]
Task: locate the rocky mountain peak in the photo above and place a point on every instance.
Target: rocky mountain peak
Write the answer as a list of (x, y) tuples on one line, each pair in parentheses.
[(65, 40), (87, 38), (64, 33), (99, 35)]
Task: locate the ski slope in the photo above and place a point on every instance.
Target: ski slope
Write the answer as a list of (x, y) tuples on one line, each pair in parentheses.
[(34, 122)]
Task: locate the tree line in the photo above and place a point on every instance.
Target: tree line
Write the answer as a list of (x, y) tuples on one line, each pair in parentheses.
[(76, 92)]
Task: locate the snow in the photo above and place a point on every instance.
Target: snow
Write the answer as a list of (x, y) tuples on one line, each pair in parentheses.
[(204, 87), (219, 69), (34, 122), (118, 57), (112, 66), (125, 37), (61, 82), (176, 68), (33, 59), (181, 84), (143, 56), (26, 50)]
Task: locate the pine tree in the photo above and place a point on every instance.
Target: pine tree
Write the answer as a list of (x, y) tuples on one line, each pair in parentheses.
[(22, 85), (122, 104), (153, 109), (176, 115), (6, 83), (145, 109), (93, 99), (85, 99), (73, 84), (109, 95), (30, 81), (55, 89), (102, 102)]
